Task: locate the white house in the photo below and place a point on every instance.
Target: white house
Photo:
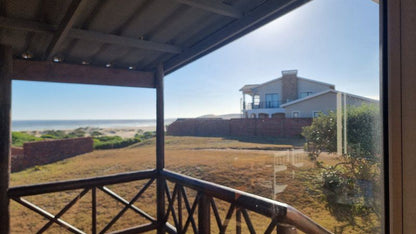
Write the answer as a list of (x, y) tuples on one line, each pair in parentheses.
[(292, 96)]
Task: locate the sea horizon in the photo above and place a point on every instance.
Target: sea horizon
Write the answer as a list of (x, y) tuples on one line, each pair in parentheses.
[(39, 125)]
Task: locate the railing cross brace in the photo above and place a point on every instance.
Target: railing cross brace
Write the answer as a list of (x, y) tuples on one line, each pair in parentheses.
[(127, 206), (47, 215), (171, 201), (62, 212)]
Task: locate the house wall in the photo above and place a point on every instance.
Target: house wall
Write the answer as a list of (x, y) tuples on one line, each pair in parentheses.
[(268, 111), (289, 87), (323, 103), (44, 152), (271, 87), (356, 101), (309, 86)]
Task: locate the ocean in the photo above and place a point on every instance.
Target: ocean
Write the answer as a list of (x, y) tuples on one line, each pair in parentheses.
[(32, 125)]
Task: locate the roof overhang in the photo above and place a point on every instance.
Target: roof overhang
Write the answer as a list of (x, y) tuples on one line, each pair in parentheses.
[(100, 37), (248, 89)]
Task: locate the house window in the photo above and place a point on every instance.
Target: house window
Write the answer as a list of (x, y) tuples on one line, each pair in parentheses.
[(305, 94), (315, 114), (256, 99), (272, 100), (256, 102), (295, 114)]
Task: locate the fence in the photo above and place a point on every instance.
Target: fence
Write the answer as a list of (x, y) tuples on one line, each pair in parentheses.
[(274, 127)]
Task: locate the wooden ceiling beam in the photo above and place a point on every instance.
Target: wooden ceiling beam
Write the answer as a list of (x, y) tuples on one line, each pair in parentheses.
[(31, 26), (214, 7), (123, 41), (69, 19), (26, 25), (80, 74)]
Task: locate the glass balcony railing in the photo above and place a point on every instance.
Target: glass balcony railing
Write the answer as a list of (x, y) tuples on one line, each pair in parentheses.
[(262, 105)]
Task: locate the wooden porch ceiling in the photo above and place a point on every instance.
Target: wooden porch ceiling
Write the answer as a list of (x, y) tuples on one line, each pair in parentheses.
[(121, 42)]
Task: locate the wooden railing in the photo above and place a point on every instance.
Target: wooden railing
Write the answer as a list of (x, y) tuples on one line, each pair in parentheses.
[(17, 194), (179, 207), (282, 217)]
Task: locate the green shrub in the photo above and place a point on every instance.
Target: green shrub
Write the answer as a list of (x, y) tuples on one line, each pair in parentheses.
[(59, 134), (18, 138), (113, 142), (96, 134), (144, 135), (79, 132), (363, 133), (350, 184), (109, 138), (54, 134)]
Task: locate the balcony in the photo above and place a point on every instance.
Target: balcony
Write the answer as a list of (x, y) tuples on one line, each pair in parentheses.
[(262, 105), (187, 205)]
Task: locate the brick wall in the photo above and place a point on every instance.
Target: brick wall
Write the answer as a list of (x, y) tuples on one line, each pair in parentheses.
[(199, 127), (44, 152), (17, 150), (274, 127)]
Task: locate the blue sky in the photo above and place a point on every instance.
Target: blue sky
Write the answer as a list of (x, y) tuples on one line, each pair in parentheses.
[(333, 41)]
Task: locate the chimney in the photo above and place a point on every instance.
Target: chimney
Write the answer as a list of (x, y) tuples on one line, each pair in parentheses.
[(289, 85)]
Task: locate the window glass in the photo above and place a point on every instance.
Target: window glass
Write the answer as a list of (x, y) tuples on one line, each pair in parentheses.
[(321, 155), (305, 94), (295, 114), (272, 100)]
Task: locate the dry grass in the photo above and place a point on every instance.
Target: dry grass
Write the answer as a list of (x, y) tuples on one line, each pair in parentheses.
[(241, 165)]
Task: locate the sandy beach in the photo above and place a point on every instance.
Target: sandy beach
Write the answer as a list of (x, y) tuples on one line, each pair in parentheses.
[(127, 132)]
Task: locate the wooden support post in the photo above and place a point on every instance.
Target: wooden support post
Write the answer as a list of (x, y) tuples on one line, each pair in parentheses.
[(244, 102), (94, 210), (160, 149), (238, 220), (160, 128), (5, 123), (204, 217)]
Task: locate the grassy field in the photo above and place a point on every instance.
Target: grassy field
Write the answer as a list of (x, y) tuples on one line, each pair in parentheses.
[(235, 163)]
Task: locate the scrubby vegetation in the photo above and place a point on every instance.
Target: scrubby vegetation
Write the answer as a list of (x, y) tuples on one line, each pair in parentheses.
[(59, 134), (113, 142), (101, 141), (18, 138), (352, 186)]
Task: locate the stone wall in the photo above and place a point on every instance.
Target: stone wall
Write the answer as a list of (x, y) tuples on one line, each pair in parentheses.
[(274, 127), (44, 152), (289, 87)]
